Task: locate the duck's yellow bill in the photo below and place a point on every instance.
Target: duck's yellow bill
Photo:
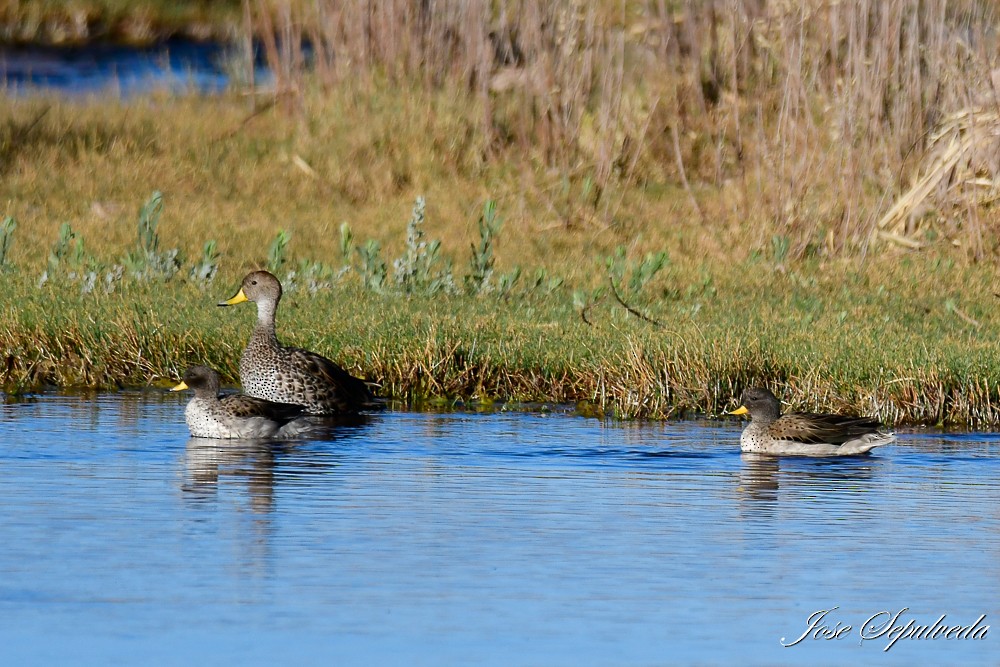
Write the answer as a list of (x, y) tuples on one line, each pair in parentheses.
[(742, 410), (181, 387), (239, 298)]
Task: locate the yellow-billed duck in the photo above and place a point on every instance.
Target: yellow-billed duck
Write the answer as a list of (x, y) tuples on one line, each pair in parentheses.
[(284, 374), (804, 433), (236, 415)]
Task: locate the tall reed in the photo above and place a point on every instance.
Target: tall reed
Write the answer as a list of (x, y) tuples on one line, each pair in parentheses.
[(807, 119)]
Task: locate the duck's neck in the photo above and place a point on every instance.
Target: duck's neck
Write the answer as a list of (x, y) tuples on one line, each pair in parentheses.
[(767, 414), (207, 394), (265, 321)]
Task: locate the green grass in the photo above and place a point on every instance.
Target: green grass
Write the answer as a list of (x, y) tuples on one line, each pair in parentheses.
[(826, 337)]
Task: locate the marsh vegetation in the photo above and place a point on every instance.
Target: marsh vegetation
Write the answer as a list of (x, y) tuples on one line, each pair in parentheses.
[(640, 207)]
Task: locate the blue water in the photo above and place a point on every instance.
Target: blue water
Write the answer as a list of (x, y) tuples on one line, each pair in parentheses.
[(485, 539), (176, 66)]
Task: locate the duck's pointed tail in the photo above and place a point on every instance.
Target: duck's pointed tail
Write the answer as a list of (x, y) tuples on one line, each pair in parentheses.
[(866, 443)]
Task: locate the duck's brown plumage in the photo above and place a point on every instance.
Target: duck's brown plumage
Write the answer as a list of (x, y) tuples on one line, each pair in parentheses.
[(237, 415), (805, 433), (285, 374)]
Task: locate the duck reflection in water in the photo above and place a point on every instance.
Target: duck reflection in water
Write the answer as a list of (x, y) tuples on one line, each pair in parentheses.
[(763, 477), (263, 463), (206, 460)]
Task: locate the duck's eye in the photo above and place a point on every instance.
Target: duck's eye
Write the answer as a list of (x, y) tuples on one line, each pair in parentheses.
[(253, 282)]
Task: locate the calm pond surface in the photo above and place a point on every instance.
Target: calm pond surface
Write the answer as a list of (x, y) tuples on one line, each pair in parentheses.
[(177, 65), (461, 539)]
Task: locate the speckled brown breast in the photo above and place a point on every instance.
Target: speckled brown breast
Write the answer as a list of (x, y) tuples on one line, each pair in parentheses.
[(293, 375)]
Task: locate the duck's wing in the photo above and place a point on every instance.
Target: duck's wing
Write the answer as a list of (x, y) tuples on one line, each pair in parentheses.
[(815, 429), (243, 406), (351, 392)]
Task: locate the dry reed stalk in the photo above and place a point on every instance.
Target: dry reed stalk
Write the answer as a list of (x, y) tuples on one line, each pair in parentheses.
[(963, 164)]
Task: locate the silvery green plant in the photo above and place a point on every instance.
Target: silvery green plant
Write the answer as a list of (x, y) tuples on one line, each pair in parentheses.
[(66, 253), (346, 248), (624, 272), (585, 300), (88, 280), (346, 251), (542, 282), (7, 228), (147, 261), (276, 254), (443, 281), (113, 277), (371, 269), (481, 263), (149, 222), (312, 276), (205, 269), (651, 264), (628, 273), (413, 271), (506, 282)]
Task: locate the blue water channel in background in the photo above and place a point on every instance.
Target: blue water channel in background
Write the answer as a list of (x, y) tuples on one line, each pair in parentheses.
[(477, 539), (174, 66)]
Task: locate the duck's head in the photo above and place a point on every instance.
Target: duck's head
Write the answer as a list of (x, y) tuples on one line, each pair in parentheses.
[(759, 403), (258, 286), (200, 378)]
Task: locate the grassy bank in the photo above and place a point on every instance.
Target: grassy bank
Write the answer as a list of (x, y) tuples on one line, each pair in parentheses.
[(685, 204), (913, 343)]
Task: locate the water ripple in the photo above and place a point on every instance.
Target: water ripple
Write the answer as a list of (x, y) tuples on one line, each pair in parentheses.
[(476, 538)]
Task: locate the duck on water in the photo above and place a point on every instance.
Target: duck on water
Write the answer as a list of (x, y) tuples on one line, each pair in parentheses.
[(287, 374), (237, 415), (804, 433)]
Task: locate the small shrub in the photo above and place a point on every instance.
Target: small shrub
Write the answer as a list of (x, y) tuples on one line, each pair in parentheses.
[(482, 260), (542, 282), (276, 254), (505, 285), (65, 252), (313, 276), (206, 268), (372, 269), (413, 272), (7, 228), (66, 257), (149, 222), (346, 243), (147, 261), (627, 273)]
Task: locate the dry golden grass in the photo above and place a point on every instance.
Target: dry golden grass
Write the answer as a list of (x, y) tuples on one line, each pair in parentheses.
[(94, 165), (135, 21), (796, 119), (683, 128)]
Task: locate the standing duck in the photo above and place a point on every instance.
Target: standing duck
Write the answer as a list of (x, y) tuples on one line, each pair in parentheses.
[(237, 415), (804, 433), (275, 372)]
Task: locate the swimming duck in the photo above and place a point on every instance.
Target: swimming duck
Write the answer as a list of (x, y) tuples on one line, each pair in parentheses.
[(273, 371), (804, 433), (237, 415)]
